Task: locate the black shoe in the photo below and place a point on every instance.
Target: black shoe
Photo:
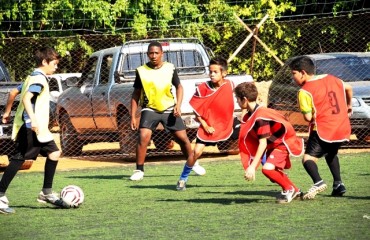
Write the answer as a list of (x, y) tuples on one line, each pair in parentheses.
[(338, 190)]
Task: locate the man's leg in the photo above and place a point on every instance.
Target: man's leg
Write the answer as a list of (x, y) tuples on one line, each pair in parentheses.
[(145, 135)]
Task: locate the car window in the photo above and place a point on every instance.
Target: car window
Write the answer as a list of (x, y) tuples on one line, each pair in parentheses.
[(105, 69), (349, 69), (87, 76)]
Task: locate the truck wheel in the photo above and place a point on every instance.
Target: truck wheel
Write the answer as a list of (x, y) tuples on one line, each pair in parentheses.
[(127, 137), (69, 142), (162, 141), (229, 146)]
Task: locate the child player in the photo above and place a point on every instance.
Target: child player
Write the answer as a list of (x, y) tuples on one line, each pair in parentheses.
[(30, 129), (213, 103), (325, 102), (265, 130)]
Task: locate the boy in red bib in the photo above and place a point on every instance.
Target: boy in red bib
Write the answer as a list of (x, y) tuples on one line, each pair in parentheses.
[(213, 103), (263, 130), (325, 102)]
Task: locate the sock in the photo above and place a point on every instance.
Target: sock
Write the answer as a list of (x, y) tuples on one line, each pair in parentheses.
[(185, 172), (140, 167), (2, 194), (333, 163), (312, 170), (49, 172), (10, 173), (280, 178)]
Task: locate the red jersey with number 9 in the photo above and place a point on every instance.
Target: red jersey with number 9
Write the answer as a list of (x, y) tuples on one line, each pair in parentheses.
[(331, 111)]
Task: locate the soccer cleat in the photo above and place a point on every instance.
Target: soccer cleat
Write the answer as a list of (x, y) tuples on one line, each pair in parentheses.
[(198, 170), (181, 185), (288, 196), (4, 206), (137, 176), (315, 189), (50, 198), (338, 190)]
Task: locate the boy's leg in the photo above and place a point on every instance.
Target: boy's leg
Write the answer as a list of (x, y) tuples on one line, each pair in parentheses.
[(314, 150), (9, 174), (185, 146), (145, 135), (333, 163)]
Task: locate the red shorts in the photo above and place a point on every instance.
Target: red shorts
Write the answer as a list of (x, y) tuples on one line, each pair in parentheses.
[(279, 158)]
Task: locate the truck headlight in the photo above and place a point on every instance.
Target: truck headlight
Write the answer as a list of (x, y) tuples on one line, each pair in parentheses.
[(355, 102)]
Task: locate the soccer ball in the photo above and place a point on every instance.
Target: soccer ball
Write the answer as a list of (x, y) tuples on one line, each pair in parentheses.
[(72, 196)]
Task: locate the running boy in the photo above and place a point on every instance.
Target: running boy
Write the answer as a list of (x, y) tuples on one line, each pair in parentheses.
[(325, 102), (152, 87), (213, 103), (30, 129), (265, 130)]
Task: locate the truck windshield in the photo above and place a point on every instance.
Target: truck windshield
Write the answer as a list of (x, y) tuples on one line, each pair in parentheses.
[(349, 69), (185, 61)]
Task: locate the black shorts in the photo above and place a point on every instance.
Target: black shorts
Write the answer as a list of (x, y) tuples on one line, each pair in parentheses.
[(205, 143), (27, 147), (151, 119), (317, 148)]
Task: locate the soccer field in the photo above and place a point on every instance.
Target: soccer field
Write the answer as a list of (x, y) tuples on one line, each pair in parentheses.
[(219, 205)]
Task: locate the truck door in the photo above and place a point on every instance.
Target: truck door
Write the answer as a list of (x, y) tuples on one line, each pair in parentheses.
[(100, 94), (80, 109)]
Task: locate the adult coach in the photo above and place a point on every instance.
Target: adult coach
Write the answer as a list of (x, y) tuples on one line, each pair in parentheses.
[(152, 88), (325, 102)]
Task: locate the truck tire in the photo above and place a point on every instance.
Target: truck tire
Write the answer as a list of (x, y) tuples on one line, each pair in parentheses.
[(229, 146), (162, 140), (69, 142), (127, 137)]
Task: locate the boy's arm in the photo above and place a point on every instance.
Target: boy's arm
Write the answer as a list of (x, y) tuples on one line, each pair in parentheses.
[(250, 173), (349, 95), (305, 105), (12, 95), (179, 97), (134, 105), (28, 107)]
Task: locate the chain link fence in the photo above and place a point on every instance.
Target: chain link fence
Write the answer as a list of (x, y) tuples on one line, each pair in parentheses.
[(261, 56)]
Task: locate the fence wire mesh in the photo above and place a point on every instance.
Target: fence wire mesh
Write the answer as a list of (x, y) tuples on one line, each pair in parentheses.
[(262, 57)]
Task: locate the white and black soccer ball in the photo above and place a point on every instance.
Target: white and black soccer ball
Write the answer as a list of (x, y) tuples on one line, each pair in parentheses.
[(72, 196)]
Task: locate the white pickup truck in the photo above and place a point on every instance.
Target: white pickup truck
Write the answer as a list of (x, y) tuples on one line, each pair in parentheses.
[(96, 107)]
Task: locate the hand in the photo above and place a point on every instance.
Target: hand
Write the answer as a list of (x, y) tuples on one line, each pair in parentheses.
[(177, 111), (210, 130), (350, 111), (6, 118), (250, 174), (133, 124), (35, 127)]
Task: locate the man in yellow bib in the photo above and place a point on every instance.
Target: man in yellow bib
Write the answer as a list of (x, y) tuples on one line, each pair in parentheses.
[(152, 88)]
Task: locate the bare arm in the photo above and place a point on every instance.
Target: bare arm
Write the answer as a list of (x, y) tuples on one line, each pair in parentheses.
[(250, 173), (179, 97), (349, 95), (8, 108), (134, 105)]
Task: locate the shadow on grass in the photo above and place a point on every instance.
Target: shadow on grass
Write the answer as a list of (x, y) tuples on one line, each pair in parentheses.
[(223, 201), (121, 177)]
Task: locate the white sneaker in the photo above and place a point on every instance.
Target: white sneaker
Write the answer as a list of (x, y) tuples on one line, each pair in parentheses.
[(4, 206), (137, 176), (198, 170)]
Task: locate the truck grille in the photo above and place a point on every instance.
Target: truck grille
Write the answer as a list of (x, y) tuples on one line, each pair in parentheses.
[(366, 100)]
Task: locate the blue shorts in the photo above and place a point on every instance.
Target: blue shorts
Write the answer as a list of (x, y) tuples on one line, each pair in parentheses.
[(150, 119), (318, 148)]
